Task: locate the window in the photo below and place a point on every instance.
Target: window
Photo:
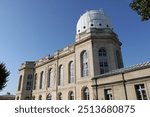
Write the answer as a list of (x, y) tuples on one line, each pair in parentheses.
[(100, 24), (20, 80), (140, 92), (33, 98), (29, 82), (108, 94), (61, 76), (35, 81), (85, 94), (92, 25), (71, 95), (84, 27), (49, 97), (103, 63), (84, 64), (40, 97), (41, 80), (17, 97), (71, 72), (50, 78), (59, 96)]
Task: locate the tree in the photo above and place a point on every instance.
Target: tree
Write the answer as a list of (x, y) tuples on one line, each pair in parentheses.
[(4, 73), (142, 7)]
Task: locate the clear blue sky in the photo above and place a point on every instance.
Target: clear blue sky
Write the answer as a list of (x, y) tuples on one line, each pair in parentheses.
[(32, 29)]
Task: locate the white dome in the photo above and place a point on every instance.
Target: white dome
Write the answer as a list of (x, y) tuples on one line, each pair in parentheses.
[(93, 19)]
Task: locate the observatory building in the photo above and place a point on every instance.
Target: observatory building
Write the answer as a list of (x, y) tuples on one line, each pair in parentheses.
[(90, 69)]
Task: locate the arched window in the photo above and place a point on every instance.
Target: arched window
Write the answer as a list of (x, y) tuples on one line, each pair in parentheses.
[(20, 80), (29, 82), (17, 97), (49, 97), (61, 76), (59, 96), (50, 82), (103, 62), (119, 59), (85, 93), (33, 97), (41, 80), (40, 97), (71, 95), (71, 72), (84, 64), (35, 81)]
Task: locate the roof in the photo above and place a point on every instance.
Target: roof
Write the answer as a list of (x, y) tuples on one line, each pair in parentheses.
[(7, 97), (125, 70), (93, 19)]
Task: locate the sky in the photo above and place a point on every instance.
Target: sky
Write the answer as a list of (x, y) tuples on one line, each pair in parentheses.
[(33, 29)]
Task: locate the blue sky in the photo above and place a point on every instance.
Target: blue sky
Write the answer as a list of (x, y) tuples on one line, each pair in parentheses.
[(32, 29)]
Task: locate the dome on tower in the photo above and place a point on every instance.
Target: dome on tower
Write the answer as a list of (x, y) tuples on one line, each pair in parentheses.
[(93, 19)]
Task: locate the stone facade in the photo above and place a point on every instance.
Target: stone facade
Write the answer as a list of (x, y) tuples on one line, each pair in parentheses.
[(123, 82), (91, 68)]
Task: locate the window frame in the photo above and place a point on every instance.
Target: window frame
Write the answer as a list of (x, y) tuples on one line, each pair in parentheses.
[(71, 72), (29, 82), (86, 93), (35, 82), (108, 94), (60, 96), (71, 95), (61, 76), (49, 97), (84, 63), (140, 92), (50, 78), (103, 60), (41, 80)]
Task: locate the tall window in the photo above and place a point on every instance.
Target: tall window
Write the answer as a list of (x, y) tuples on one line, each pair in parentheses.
[(71, 95), (41, 80), (71, 72), (140, 92), (84, 64), (50, 78), (61, 76), (59, 96), (20, 80), (103, 62), (35, 81), (108, 94), (85, 93), (29, 82)]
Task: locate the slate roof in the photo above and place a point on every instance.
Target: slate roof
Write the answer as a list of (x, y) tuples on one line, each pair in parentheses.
[(124, 70)]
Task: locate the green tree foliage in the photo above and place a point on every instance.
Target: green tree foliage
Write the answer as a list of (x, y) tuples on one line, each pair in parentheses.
[(142, 7), (4, 73)]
